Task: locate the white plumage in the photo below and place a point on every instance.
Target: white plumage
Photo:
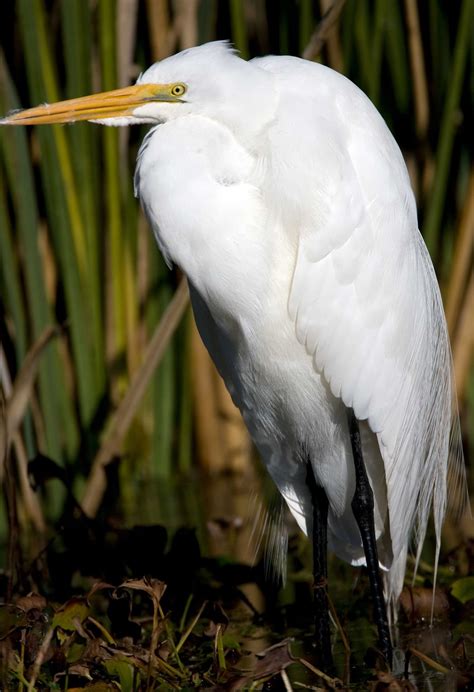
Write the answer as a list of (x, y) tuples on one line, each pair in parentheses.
[(311, 285), (277, 188)]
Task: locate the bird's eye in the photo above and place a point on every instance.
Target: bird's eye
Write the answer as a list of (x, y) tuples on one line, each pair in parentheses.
[(178, 90)]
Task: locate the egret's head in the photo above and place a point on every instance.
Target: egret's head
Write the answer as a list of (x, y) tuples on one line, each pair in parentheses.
[(209, 80)]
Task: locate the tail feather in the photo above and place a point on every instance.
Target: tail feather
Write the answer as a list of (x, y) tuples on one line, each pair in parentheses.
[(270, 533)]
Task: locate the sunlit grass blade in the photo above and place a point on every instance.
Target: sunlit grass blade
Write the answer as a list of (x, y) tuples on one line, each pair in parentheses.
[(84, 141), (62, 206), (239, 27), (306, 24), (10, 278), (131, 277), (59, 422), (115, 247)]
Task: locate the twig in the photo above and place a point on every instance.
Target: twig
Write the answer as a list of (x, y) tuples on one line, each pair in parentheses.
[(286, 681), (161, 33), (334, 49), (32, 506), (21, 393), (30, 499), (417, 68), (123, 416), (323, 29), (186, 23), (40, 658), (345, 641), (333, 683), (429, 661)]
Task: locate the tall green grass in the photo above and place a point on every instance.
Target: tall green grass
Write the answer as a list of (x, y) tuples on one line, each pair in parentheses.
[(73, 244)]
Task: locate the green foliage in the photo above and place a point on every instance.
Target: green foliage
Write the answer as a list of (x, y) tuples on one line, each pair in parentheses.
[(74, 248), (463, 589)]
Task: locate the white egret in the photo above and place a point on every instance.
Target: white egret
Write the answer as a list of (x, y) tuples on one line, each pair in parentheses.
[(277, 188)]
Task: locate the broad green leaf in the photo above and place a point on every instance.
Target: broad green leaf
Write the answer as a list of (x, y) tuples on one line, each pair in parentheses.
[(74, 611), (463, 589)]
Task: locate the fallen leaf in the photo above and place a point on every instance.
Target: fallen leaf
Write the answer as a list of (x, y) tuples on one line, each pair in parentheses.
[(99, 586), (78, 669), (97, 687), (386, 681), (153, 587), (30, 601), (273, 660)]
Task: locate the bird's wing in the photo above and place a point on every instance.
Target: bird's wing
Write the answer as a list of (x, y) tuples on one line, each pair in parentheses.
[(366, 305)]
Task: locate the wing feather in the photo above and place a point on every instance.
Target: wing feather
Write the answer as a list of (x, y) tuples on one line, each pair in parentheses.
[(367, 307)]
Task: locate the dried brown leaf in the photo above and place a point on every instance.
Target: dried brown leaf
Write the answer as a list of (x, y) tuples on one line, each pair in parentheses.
[(417, 601), (99, 586), (95, 651), (153, 587), (97, 687), (80, 670), (30, 601), (270, 662), (387, 681), (273, 660)]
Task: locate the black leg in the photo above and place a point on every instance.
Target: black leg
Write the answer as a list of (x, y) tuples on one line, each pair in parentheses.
[(320, 568), (363, 508)]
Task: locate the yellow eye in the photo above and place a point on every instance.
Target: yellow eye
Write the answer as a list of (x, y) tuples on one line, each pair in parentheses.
[(178, 90)]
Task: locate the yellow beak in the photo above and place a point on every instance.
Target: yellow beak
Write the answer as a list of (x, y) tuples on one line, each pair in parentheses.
[(108, 104)]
